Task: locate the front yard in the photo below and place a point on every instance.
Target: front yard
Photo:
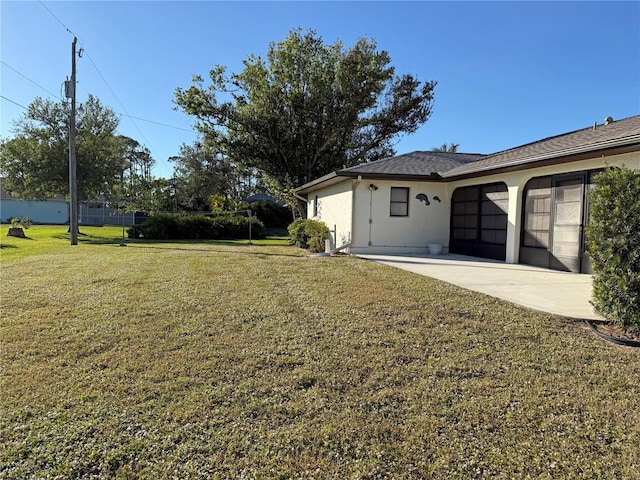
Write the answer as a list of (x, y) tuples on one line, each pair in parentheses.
[(209, 360)]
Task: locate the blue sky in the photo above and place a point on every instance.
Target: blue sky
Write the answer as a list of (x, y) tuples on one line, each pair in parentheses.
[(508, 73)]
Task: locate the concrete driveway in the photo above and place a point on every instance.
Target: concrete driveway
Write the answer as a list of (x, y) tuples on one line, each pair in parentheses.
[(560, 293)]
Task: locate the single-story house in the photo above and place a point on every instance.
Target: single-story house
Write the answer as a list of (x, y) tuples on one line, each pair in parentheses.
[(526, 205), (50, 211)]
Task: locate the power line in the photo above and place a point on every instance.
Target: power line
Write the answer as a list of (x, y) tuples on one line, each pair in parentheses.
[(24, 76), (59, 21), (15, 103), (157, 123), (108, 86), (119, 113), (122, 106)]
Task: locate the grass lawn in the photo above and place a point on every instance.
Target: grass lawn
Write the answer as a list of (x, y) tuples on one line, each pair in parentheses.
[(221, 360)]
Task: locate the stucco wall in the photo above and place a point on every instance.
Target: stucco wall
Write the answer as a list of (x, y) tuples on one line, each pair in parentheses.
[(376, 231), (334, 209), (425, 224)]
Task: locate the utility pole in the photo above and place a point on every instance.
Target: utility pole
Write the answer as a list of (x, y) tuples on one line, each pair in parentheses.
[(73, 187)]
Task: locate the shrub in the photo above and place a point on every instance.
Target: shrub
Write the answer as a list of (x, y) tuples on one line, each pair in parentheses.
[(160, 226), (198, 226), (309, 234), (173, 227), (135, 231), (613, 237), (271, 214), (22, 222), (237, 226)]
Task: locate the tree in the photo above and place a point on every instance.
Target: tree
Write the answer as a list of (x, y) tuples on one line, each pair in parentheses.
[(308, 108), (447, 147), (138, 159), (36, 160), (198, 174)]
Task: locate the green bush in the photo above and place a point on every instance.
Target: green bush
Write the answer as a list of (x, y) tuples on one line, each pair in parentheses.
[(613, 237), (237, 226), (271, 214), (134, 231), (309, 234), (22, 222), (161, 226), (198, 226), (175, 227)]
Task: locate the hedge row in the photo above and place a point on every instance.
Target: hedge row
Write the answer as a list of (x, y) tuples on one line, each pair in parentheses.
[(176, 227)]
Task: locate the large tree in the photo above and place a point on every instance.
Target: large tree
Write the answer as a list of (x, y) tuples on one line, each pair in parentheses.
[(198, 174), (35, 161), (308, 108)]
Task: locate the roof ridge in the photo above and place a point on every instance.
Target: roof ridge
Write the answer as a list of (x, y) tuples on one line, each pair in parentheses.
[(546, 139)]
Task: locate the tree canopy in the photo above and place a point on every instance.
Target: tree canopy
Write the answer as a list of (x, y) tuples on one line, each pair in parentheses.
[(308, 108), (447, 147), (36, 160), (198, 174)]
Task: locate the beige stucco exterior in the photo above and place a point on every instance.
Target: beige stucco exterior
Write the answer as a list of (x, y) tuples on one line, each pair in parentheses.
[(334, 207), (361, 215)]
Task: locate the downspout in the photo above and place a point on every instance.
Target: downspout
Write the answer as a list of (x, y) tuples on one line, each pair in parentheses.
[(370, 213), (354, 187)]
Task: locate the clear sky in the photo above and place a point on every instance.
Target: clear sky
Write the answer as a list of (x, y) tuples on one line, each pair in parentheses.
[(508, 73)]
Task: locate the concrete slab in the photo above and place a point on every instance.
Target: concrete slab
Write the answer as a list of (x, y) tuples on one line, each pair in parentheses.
[(559, 293)]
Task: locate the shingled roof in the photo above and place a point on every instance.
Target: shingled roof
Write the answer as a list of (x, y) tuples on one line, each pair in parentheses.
[(409, 166), (622, 133), (434, 166), (415, 164)]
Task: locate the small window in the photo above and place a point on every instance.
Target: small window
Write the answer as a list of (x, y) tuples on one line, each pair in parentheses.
[(399, 202), (315, 206)]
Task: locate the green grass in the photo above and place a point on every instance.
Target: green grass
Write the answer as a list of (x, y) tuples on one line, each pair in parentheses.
[(202, 360), (44, 239)]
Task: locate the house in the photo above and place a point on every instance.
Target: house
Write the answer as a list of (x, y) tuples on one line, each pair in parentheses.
[(56, 211), (39, 211), (528, 204)]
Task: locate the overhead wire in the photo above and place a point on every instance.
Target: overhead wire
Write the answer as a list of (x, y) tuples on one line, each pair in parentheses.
[(126, 114), (27, 78), (60, 95), (15, 103), (59, 21)]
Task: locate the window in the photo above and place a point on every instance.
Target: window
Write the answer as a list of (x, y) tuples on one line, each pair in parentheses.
[(315, 206), (399, 202), (537, 213)]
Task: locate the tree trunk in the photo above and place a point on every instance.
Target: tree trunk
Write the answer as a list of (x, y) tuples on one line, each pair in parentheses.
[(16, 232)]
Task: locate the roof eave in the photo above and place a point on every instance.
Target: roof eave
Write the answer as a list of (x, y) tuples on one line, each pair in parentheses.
[(340, 176)]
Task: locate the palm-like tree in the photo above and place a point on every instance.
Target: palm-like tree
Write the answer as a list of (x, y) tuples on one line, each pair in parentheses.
[(447, 147)]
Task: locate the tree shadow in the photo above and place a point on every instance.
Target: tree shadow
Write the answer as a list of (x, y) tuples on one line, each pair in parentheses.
[(156, 246)]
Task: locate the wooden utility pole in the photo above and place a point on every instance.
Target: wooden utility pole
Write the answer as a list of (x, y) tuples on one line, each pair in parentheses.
[(73, 187)]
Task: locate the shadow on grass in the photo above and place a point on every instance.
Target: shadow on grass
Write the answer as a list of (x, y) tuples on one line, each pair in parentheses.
[(156, 246), (7, 246), (88, 239)]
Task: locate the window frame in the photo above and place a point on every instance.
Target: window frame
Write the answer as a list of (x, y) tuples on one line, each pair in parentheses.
[(393, 202)]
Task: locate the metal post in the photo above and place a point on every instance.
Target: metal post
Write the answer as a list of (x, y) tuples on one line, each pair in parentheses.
[(249, 212), (73, 191)]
